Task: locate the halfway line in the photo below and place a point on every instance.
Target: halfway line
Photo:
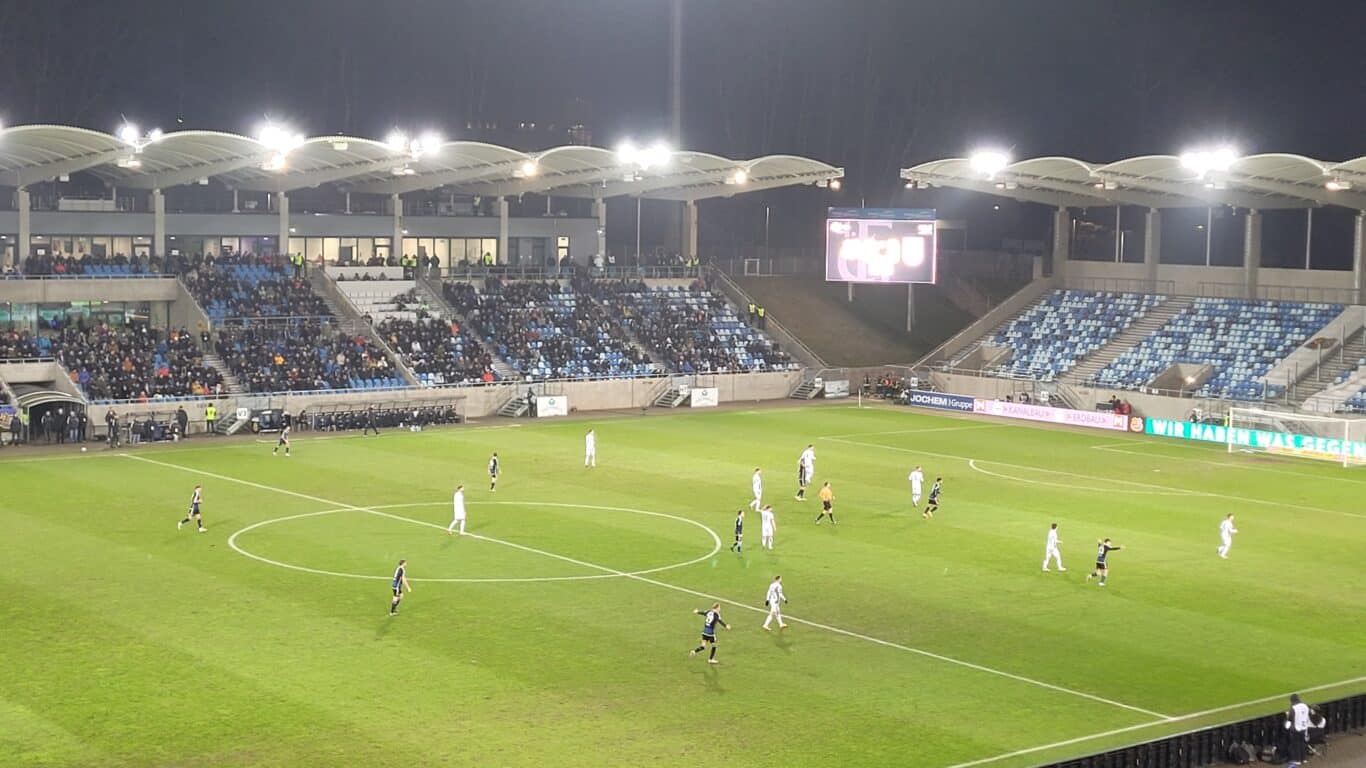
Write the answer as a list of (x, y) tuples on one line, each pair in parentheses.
[(684, 590)]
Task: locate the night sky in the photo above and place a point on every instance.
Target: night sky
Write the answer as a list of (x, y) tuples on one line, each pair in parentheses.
[(869, 85)]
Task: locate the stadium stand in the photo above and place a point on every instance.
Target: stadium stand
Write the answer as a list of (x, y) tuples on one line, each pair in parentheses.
[(246, 289), (1050, 337), (16, 345), (440, 352), (692, 329), (134, 362), (548, 330), (380, 293), (93, 265), (1241, 339), (303, 356)]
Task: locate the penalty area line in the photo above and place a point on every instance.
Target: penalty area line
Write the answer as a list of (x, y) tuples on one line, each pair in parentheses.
[(684, 590)]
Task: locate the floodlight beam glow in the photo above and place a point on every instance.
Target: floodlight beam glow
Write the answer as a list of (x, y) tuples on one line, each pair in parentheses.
[(989, 162)]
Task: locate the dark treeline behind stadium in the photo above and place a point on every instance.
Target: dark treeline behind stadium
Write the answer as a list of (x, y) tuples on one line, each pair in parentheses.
[(872, 85)]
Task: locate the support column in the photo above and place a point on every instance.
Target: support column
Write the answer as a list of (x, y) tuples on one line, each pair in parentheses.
[(1062, 244), (600, 212), (158, 223), (282, 247), (235, 209), (1359, 257), (348, 202), (1252, 252), (1152, 246), (689, 230), (396, 244), (502, 230), (24, 247)]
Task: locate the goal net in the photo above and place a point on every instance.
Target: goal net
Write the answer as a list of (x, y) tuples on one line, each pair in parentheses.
[(1305, 435)]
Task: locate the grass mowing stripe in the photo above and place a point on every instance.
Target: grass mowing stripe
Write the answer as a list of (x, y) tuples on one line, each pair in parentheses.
[(665, 585)]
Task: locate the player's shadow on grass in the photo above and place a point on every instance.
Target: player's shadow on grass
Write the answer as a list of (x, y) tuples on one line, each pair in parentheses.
[(711, 677), (781, 642), (382, 631)]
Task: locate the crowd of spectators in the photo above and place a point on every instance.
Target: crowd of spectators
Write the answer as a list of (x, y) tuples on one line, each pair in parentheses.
[(56, 264), (134, 362), (438, 351), (15, 344), (548, 329), (302, 356), (268, 291)]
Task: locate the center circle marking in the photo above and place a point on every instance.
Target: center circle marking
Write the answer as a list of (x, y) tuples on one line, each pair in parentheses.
[(716, 543)]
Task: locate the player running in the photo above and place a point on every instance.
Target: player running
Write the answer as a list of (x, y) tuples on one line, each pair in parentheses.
[(768, 525), (493, 472), (917, 479), (193, 514), (590, 449), (1103, 548), (756, 484), (457, 511), (739, 544), (1050, 548), (711, 618), (284, 440), (933, 505), (773, 601), (806, 469), (1226, 531), (400, 584), (827, 496)]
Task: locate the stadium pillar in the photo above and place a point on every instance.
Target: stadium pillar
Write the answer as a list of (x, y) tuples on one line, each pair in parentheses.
[(690, 230), (1062, 244), (503, 254), (1359, 257), (1152, 246), (348, 202), (1252, 251), (282, 245), (158, 223), (235, 209), (24, 247), (600, 211), (396, 244)]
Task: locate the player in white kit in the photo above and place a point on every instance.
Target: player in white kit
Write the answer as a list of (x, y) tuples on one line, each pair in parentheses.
[(1226, 531), (768, 526), (917, 479), (774, 601), (756, 484), (590, 449), (457, 511), (1051, 551)]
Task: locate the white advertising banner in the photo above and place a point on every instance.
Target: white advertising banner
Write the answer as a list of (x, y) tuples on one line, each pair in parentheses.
[(705, 397), (554, 405)]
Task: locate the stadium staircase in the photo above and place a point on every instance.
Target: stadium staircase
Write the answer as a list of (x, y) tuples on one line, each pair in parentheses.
[(1155, 318), (807, 390), (1336, 380), (350, 320), (515, 408), (672, 398), (230, 381)]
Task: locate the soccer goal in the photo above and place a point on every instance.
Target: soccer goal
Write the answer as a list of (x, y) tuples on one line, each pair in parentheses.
[(1305, 435)]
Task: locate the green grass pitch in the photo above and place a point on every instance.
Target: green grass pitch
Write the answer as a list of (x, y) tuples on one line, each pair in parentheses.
[(558, 634)]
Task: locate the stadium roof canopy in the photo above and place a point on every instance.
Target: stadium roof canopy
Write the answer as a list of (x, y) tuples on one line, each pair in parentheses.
[(1265, 181), (31, 154)]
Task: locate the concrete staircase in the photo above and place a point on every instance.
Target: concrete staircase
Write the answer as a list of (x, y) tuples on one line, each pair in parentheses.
[(807, 390), (1126, 339), (1318, 385), (672, 398), (230, 381), (516, 407)]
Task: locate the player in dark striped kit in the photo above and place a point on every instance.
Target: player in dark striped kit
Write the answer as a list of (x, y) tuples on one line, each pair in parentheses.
[(400, 583), (711, 618)]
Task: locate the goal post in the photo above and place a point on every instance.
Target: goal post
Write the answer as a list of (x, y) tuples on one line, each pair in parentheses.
[(1305, 435)]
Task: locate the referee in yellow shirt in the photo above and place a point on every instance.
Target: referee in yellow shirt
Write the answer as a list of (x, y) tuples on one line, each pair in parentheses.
[(827, 498)]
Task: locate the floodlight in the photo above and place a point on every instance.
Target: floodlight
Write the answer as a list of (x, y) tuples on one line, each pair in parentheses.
[(988, 162), (740, 177), (836, 184), (626, 152), (1203, 161), (1337, 185), (129, 133), (155, 135), (529, 168), (279, 139)]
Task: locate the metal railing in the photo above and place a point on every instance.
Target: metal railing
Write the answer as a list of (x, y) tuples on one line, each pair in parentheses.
[(131, 276), (1305, 293), (1122, 285)]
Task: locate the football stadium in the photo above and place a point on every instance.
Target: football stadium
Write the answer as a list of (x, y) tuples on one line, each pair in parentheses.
[(364, 441)]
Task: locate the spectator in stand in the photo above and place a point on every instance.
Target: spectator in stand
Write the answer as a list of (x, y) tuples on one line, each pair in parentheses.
[(132, 362), (437, 350), (300, 356)]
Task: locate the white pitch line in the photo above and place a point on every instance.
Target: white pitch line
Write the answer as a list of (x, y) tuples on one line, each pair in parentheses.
[(1167, 488), (1115, 448), (1154, 724), (1070, 486), (917, 431), (684, 590)]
